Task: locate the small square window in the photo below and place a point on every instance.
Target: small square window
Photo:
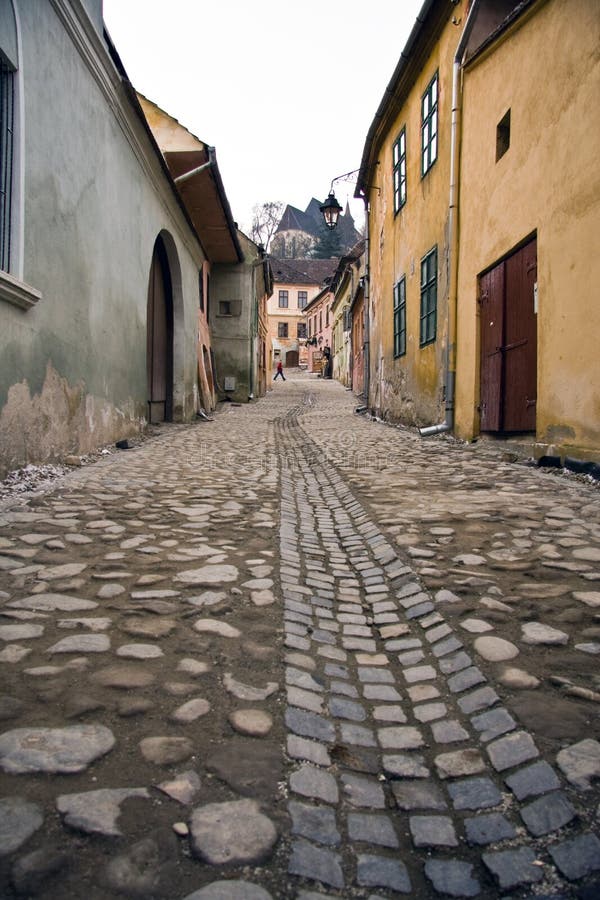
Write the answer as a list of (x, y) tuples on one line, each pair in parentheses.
[(225, 307), (503, 135)]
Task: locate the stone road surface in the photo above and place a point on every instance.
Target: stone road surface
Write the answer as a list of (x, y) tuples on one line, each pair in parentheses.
[(293, 652)]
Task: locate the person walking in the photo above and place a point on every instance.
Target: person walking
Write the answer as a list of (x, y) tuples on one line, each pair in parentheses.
[(279, 371)]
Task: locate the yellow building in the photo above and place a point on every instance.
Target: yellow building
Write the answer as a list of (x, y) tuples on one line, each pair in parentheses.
[(405, 174), (296, 282), (528, 310)]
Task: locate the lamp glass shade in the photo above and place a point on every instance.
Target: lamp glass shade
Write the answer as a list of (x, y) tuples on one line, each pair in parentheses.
[(331, 210)]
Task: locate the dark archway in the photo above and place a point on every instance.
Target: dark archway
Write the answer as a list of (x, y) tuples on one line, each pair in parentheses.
[(159, 345)]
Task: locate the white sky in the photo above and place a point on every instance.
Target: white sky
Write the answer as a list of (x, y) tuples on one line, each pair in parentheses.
[(285, 92)]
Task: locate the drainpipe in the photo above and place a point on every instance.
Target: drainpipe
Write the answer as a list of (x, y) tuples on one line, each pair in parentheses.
[(193, 172), (366, 301), (448, 423)]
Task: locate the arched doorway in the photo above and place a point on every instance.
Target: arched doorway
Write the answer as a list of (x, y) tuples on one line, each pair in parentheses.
[(292, 359), (159, 342)]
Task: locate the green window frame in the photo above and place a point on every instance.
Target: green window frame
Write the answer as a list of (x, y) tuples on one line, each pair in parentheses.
[(429, 125), (400, 318), (399, 160), (428, 298)]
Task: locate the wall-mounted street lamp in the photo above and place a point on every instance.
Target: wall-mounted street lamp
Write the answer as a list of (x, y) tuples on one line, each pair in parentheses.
[(331, 209)]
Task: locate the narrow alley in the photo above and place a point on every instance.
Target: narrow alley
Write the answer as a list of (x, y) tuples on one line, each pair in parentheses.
[(306, 654)]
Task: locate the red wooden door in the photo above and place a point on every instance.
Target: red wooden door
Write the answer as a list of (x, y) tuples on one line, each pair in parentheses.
[(508, 355), (159, 339)]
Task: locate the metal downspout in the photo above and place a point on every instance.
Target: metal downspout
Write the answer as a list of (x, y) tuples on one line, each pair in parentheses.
[(448, 423), (366, 311)]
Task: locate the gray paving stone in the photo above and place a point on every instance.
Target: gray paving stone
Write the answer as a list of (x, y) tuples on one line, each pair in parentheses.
[(411, 657), (363, 792), (317, 823), (580, 763), (315, 783), (512, 868), (380, 692), (421, 609), (405, 765), (372, 829), (547, 813), (400, 737), (308, 724), (578, 856), (335, 671), (411, 795), (56, 750), (493, 724), (443, 648), (456, 663), (316, 863), (432, 831), (374, 675), (346, 709), (474, 793), (479, 699), (488, 828), (382, 871), (343, 687), (232, 833), (428, 712), (301, 748), (356, 734), (448, 732), (512, 750), (459, 763), (230, 889), (439, 632), (96, 812), (403, 644), (19, 819), (452, 877), (533, 780), (419, 673), (466, 679), (389, 713)]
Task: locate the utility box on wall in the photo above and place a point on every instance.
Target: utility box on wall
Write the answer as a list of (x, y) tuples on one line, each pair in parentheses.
[(229, 383)]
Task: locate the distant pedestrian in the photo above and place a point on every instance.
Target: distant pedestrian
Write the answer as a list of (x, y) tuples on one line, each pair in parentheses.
[(279, 371)]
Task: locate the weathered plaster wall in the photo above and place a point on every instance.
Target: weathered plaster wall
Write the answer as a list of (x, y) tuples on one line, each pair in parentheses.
[(232, 335), (548, 73), (73, 367), (410, 388)]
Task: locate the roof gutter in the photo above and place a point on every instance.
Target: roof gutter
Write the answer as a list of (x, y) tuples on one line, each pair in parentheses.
[(455, 134)]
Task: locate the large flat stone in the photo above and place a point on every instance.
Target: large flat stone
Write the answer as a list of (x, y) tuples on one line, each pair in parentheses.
[(56, 750), (232, 833)]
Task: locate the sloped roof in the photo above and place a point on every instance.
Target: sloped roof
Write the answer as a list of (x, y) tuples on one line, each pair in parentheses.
[(202, 190), (303, 271)]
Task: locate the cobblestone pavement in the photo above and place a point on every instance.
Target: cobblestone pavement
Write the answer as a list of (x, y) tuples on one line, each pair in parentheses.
[(305, 654)]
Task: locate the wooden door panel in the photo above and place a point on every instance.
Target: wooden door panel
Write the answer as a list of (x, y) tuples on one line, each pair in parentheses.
[(491, 299), (520, 347)]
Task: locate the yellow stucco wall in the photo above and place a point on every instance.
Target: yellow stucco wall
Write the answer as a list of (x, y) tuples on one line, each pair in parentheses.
[(410, 388), (547, 71)]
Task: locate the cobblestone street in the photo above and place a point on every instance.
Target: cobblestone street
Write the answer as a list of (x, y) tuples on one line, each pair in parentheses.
[(304, 652)]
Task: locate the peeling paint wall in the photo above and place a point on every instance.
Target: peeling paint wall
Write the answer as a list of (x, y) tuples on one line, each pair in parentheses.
[(411, 388), (95, 198), (547, 72)]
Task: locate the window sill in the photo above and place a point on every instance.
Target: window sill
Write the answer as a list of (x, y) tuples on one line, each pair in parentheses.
[(17, 292)]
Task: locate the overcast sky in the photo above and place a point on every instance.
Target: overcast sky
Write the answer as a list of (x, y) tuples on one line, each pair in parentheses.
[(285, 92)]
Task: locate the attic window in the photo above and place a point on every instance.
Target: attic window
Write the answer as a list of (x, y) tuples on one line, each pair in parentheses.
[(503, 135)]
